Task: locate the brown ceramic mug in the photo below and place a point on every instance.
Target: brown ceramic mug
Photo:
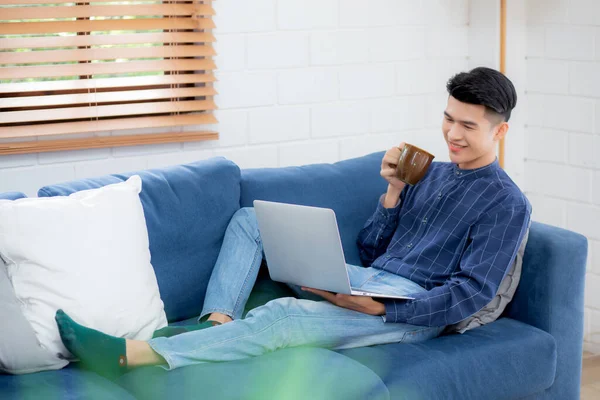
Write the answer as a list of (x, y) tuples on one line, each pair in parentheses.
[(412, 164)]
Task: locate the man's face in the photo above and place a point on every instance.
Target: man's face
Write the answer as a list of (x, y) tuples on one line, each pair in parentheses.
[(470, 135)]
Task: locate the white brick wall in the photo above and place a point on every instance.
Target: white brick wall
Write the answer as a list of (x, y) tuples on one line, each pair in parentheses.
[(457, 35), (30, 179), (584, 218), (584, 12), (339, 47), (309, 85), (560, 39), (597, 127), (266, 124), (245, 89), (596, 188), (245, 16), (366, 81), (562, 165), (307, 14), (408, 43), (568, 112), (557, 180), (251, 157), (387, 13), (359, 145), (583, 150), (597, 44), (232, 52), (339, 119), (548, 76), (535, 40), (407, 112), (316, 151), (108, 166), (548, 210), (555, 148), (233, 128), (546, 11), (585, 78), (595, 259), (278, 50)]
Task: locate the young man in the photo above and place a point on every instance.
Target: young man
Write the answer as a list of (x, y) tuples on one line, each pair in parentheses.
[(447, 241)]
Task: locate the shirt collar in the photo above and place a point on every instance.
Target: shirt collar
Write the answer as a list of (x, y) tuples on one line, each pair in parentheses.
[(477, 172)]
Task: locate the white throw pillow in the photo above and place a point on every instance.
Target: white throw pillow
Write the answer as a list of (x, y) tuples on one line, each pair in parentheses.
[(88, 254)]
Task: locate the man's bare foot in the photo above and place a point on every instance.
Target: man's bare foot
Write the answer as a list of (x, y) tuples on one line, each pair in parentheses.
[(219, 318), (140, 353)]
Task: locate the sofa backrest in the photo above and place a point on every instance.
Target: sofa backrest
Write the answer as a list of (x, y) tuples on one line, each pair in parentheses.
[(550, 297), (187, 209), (351, 188)]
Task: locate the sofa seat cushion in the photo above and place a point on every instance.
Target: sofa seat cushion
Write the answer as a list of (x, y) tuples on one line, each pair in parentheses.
[(70, 383), (351, 188), (187, 209), (506, 359), (296, 373)]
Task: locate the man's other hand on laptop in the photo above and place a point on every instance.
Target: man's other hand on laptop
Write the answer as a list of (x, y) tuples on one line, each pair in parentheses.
[(361, 304)]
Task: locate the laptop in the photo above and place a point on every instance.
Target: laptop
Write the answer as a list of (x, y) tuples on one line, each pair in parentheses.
[(302, 246)]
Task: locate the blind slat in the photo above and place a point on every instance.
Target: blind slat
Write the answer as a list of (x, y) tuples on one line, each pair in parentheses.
[(99, 142), (65, 128), (58, 114), (25, 13), (20, 2), (27, 28), (106, 54), (105, 83), (105, 68), (104, 97), (98, 40)]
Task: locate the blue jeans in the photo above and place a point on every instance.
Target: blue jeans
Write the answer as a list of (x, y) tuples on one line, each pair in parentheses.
[(285, 322)]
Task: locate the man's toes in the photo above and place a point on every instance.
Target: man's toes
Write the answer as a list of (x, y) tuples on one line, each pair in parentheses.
[(65, 332)]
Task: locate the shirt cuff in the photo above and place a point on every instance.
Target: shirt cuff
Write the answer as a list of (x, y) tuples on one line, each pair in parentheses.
[(387, 213), (397, 310)]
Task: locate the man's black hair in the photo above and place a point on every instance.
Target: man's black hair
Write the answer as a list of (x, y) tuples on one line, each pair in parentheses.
[(484, 86)]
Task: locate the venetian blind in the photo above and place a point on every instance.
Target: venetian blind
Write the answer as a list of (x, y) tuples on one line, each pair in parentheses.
[(84, 67)]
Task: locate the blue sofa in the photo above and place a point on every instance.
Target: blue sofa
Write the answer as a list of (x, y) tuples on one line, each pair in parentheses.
[(533, 352)]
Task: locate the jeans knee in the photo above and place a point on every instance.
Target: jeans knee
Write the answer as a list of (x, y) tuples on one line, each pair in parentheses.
[(245, 218), (274, 310)]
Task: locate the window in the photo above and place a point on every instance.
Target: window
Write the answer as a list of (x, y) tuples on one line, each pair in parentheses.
[(70, 68)]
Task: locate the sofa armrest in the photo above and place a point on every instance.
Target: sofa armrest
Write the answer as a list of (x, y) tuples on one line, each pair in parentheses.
[(550, 297)]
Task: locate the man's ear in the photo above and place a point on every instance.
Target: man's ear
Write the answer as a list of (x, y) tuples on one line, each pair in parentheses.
[(500, 131)]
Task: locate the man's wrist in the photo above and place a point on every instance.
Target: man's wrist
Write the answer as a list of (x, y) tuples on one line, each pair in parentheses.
[(379, 307), (391, 197)]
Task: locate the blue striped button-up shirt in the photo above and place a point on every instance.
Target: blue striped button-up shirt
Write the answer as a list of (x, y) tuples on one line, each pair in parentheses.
[(455, 233)]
